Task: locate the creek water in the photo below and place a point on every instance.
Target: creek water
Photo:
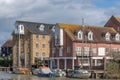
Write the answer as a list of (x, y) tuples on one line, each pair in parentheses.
[(9, 76)]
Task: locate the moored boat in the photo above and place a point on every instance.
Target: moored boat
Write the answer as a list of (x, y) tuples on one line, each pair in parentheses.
[(78, 74), (43, 71), (59, 73)]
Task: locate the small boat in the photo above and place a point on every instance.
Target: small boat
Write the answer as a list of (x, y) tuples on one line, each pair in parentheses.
[(35, 71), (79, 74), (21, 71), (59, 73), (43, 71)]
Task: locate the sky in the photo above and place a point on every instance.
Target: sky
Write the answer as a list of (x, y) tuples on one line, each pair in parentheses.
[(94, 12)]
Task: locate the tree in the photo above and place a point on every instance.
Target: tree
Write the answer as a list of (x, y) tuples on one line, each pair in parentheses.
[(113, 66)]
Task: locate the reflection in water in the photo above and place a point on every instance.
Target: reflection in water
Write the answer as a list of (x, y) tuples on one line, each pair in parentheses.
[(8, 76)]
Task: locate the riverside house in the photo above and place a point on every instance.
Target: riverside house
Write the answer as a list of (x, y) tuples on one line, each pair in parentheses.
[(85, 46), (31, 43)]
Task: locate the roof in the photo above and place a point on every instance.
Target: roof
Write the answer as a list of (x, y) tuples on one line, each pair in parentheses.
[(117, 18), (98, 32), (8, 43), (33, 27)]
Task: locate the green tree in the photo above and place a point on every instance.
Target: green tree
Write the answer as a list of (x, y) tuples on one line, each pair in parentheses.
[(113, 66)]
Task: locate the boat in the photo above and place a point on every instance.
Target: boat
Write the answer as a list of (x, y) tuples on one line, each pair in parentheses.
[(43, 71), (35, 71), (80, 73), (59, 73), (21, 71)]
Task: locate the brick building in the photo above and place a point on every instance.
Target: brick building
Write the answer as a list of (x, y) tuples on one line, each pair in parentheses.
[(113, 22), (85, 46), (31, 43)]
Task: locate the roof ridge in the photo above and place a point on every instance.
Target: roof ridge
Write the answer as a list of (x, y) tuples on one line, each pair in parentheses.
[(33, 22)]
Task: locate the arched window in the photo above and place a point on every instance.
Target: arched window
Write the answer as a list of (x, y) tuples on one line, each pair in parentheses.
[(41, 28), (80, 35), (90, 35), (117, 37), (107, 36)]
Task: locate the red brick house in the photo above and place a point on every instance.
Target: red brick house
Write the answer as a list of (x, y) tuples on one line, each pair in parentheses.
[(85, 46), (113, 22)]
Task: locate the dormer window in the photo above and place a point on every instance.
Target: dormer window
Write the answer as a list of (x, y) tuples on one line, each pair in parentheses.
[(53, 28), (41, 28), (80, 35), (117, 37), (107, 36), (90, 35)]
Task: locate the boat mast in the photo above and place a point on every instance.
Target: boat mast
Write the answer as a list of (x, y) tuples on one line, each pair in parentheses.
[(19, 48), (82, 43)]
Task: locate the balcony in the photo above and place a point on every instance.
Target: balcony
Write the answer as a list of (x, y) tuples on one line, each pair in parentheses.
[(83, 55)]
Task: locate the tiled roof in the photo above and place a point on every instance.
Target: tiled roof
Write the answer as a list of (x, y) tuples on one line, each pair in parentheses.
[(98, 32), (117, 18), (8, 43), (33, 27)]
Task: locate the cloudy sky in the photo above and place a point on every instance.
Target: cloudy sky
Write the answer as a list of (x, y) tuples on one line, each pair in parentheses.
[(94, 12)]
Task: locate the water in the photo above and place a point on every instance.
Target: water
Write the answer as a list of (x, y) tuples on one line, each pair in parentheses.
[(9, 76)]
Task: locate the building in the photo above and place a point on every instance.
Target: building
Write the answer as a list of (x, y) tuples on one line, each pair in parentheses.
[(31, 43), (6, 48), (113, 22), (85, 46)]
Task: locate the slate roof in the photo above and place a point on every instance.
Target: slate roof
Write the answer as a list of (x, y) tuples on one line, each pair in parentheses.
[(98, 32), (8, 43), (33, 27)]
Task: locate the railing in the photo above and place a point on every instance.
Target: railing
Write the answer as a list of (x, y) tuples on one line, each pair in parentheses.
[(5, 69)]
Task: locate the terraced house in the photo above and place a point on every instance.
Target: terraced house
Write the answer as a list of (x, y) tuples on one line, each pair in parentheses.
[(31, 43), (85, 46)]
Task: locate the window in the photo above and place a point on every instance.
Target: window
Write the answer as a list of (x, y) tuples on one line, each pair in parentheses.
[(117, 37), (43, 36), (53, 50), (68, 49), (56, 39), (43, 45), (37, 37), (42, 55), (90, 36), (37, 54), (86, 62), (61, 51), (41, 28), (37, 45), (107, 50), (80, 35), (86, 51), (78, 51), (107, 36), (97, 62), (53, 28), (94, 50)]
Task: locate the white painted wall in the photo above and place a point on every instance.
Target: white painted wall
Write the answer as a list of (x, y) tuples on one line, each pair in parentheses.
[(61, 36)]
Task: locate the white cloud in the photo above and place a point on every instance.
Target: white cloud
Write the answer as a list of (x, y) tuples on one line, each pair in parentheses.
[(53, 11)]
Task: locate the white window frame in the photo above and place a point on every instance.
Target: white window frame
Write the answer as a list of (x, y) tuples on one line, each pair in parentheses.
[(80, 35), (94, 50), (117, 37), (86, 51), (41, 28), (107, 36), (78, 51), (90, 35)]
